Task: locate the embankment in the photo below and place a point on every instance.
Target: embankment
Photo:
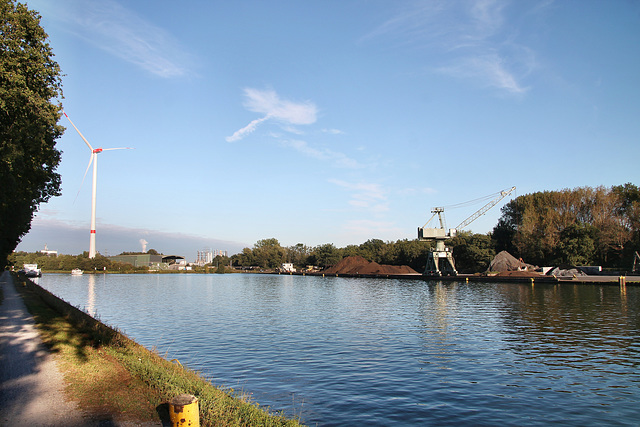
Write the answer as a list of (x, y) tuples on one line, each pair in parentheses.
[(163, 379)]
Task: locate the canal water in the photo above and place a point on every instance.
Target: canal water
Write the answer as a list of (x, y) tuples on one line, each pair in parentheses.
[(341, 351)]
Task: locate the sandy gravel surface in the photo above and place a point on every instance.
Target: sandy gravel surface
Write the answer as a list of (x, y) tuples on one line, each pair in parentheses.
[(31, 387)]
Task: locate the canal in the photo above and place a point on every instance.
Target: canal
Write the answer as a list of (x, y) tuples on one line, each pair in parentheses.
[(341, 351)]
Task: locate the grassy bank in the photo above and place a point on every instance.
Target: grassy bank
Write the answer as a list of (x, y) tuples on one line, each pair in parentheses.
[(113, 377)]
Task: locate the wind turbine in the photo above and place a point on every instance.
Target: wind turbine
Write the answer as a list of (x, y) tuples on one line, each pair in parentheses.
[(93, 159)]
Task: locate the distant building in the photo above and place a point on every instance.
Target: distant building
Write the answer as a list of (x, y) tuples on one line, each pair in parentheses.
[(288, 267), (206, 256), (175, 262), (139, 260), (47, 252)]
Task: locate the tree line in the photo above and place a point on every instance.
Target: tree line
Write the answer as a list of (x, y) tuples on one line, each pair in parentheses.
[(578, 227), (582, 226)]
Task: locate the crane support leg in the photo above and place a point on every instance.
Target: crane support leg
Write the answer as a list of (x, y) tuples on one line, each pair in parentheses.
[(440, 263)]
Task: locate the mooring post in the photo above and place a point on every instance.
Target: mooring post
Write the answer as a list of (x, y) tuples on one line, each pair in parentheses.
[(184, 411)]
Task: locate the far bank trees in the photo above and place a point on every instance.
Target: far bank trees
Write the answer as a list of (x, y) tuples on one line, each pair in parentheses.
[(583, 226)]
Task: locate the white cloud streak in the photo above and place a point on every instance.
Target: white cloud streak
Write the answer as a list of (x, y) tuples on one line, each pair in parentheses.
[(470, 37), (119, 31), (489, 69), (337, 158), (241, 133), (269, 103), (365, 195)]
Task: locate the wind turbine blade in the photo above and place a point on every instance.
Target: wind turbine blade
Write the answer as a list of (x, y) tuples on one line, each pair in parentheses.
[(85, 175), (121, 148), (80, 133)]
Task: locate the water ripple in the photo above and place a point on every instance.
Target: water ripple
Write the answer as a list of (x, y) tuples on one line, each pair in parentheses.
[(338, 351)]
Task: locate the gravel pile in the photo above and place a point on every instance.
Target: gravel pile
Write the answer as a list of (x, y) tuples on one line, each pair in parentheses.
[(359, 265)]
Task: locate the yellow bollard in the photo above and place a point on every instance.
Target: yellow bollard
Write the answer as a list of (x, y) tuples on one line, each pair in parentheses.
[(623, 281), (183, 411)]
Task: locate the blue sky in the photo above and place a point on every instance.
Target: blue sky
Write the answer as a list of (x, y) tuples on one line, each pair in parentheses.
[(330, 121)]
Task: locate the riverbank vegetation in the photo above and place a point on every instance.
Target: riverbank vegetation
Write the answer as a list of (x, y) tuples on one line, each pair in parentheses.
[(115, 379), (583, 226)]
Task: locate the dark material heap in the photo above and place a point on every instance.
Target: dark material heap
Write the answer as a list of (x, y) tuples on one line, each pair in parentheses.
[(359, 265)]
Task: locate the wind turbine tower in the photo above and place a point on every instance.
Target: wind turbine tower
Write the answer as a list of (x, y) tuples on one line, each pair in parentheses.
[(93, 159)]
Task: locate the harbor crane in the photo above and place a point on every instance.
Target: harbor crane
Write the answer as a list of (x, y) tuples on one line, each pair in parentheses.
[(440, 260)]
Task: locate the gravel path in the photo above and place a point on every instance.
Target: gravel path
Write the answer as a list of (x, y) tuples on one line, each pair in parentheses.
[(31, 387)]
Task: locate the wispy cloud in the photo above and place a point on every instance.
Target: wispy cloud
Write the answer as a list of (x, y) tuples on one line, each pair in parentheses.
[(368, 196), (269, 103), (416, 191), (241, 133), (468, 39), (121, 32), (489, 69), (368, 227), (337, 158), (333, 131)]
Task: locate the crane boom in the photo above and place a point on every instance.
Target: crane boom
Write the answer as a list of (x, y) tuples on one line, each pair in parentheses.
[(485, 208)]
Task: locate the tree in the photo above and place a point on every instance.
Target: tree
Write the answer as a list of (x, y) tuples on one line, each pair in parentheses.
[(413, 253), (30, 86), (545, 227), (629, 212), (374, 250), (326, 255), (472, 252), (577, 245), (244, 259), (268, 253), (298, 255)]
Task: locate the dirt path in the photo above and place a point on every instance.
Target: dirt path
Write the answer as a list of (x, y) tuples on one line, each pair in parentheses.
[(31, 387)]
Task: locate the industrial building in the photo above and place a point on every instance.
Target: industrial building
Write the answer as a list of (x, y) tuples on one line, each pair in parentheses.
[(154, 262)]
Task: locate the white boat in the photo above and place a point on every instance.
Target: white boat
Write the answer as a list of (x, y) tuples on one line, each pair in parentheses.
[(76, 272), (31, 270)]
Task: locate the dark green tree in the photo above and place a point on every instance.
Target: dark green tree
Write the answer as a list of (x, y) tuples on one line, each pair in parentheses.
[(244, 258), (30, 89), (413, 253), (629, 211), (298, 255), (326, 255), (374, 250), (268, 253), (472, 252), (577, 245)]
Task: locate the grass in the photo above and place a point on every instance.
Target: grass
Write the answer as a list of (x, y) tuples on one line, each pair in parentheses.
[(111, 376)]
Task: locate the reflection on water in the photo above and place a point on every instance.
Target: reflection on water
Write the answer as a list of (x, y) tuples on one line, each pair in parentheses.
[(91, 299), (339, 351)]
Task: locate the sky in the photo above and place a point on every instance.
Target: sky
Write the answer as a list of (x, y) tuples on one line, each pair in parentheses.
[(336, 122)]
